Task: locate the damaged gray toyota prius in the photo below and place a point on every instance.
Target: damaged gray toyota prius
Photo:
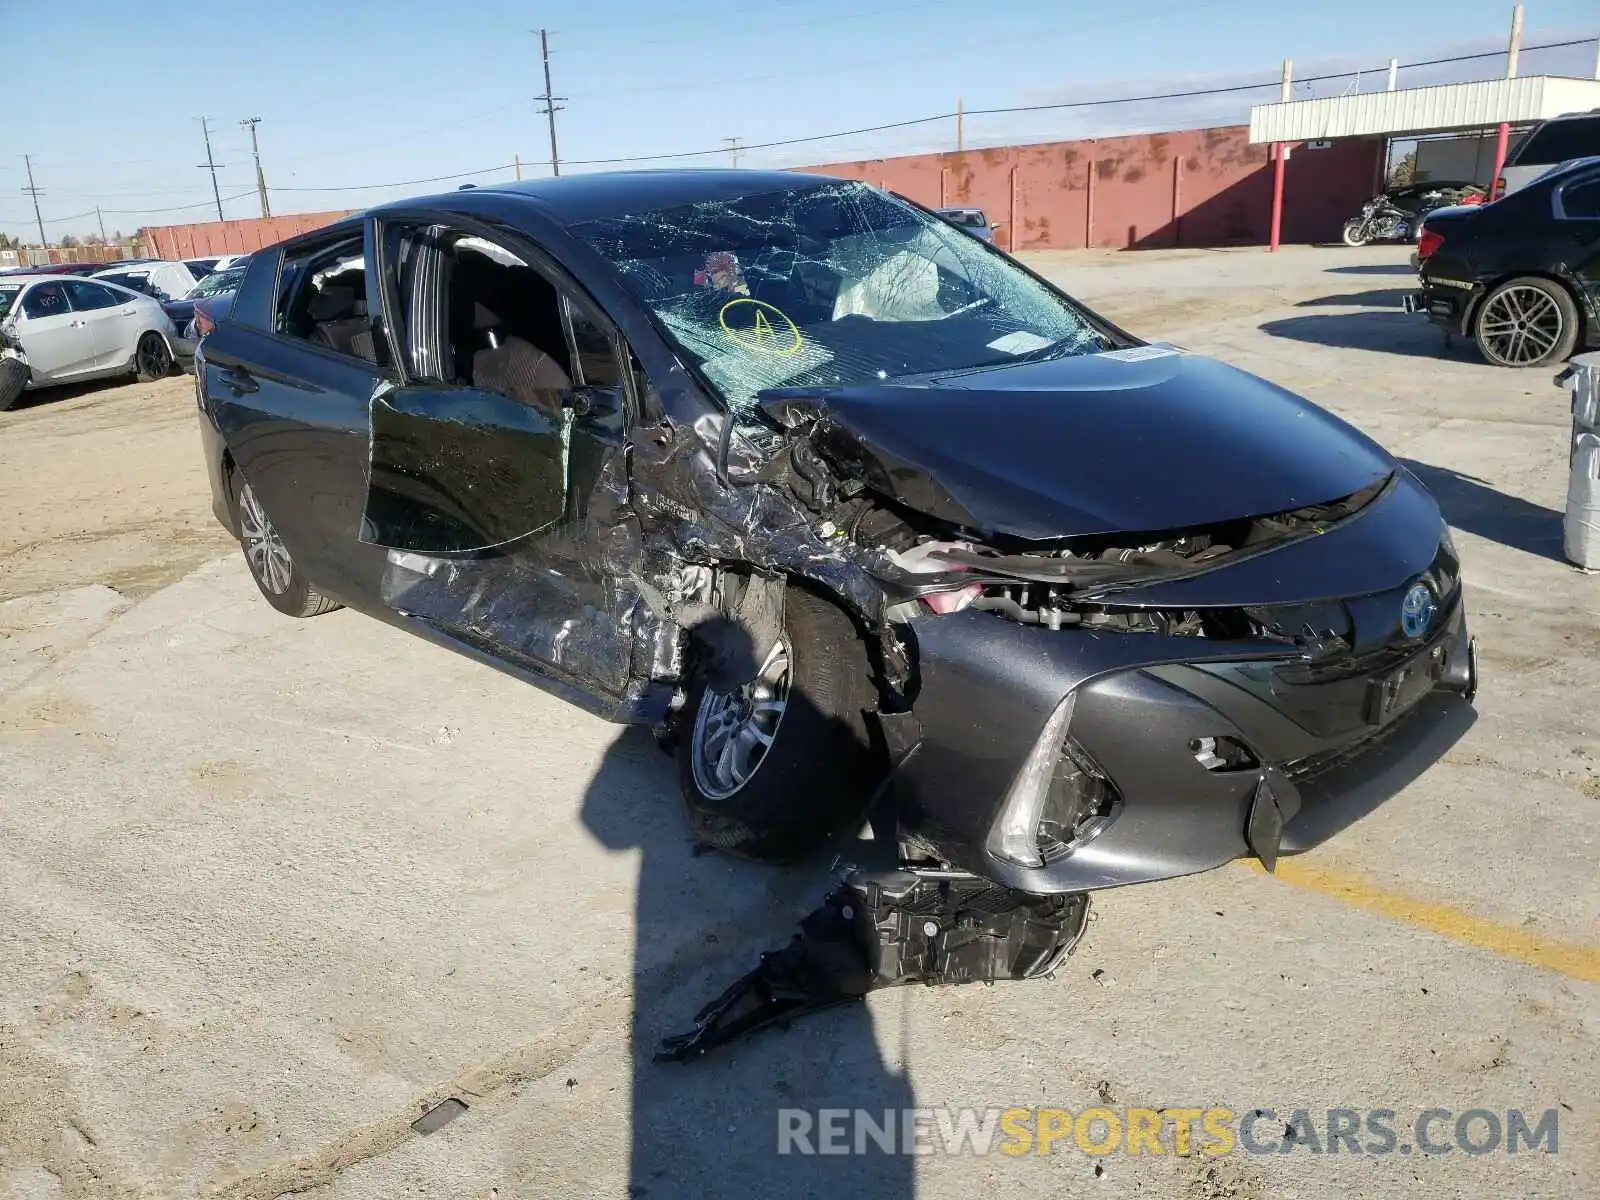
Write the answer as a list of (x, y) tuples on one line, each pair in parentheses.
[(873, 525)]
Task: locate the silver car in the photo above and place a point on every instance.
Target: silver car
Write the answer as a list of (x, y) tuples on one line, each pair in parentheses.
[(970, 219), (57, 329)]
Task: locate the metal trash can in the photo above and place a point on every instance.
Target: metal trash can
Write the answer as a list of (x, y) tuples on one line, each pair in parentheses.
[(1581, 532)]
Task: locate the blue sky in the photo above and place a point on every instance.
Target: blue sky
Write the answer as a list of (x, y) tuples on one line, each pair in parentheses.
[(365, 93)]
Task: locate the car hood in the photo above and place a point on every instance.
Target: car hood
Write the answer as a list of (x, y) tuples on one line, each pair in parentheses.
[(1146, 440)]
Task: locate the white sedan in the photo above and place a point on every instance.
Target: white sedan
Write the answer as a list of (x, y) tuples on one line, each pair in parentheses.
[(57, 329)]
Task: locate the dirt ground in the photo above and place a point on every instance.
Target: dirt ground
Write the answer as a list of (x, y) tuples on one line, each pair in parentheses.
[(275, 889), (98, 485)]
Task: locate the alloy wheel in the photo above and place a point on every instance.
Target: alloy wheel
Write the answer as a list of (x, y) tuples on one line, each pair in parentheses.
[(733, 730), (154, 360), (1520, 325), (263, 547)]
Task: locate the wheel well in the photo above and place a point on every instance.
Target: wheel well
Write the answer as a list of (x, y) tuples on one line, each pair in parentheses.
[(1577, 300)]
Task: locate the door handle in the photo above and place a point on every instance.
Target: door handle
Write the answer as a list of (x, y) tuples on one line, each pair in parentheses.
[(238, 381)]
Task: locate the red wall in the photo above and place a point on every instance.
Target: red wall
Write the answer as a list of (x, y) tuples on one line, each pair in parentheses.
[(231, 237), (1201, 187)]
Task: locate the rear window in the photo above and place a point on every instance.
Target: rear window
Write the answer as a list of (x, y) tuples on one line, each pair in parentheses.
[(139, 282), (967, 218), (1558, 141)]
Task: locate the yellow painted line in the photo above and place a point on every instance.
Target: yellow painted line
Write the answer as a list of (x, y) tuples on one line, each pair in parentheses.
[(1575, 962)]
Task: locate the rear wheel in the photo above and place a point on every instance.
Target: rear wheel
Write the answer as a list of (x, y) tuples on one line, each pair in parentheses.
[(271, 565), (771, 769), (13, 382), (1526, 322), (1355, 232), (152, 358)]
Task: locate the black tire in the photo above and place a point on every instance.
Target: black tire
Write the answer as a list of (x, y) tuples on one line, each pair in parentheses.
[(152, 358), (281, 583), (1354, 232), (817, 771), (1549, 329), (13, 382)]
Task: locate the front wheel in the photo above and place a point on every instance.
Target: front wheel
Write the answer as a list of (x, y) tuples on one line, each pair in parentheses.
[(13, 382), (1526, 322), (771, 769), (1355, 232), (271, 565)]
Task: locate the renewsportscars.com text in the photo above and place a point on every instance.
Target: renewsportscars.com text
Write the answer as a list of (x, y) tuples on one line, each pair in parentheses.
[(1105, 1131)]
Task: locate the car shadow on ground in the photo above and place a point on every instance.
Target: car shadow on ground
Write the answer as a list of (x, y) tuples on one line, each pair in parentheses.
[(1391, 332), (40, 397), (1375, 298), (702, 920), (1374, 269), (1478, 507), (60, 394)]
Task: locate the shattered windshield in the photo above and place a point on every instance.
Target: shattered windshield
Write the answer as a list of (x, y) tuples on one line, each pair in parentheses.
[(217, 283), (831, 286)]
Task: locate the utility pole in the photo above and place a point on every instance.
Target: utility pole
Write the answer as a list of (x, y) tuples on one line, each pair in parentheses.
[(733, 149), (250, 123), (1515, 48), (960, 118), (1394, 72), (100, 218), (550, 107), (34, 192), (211, 165), (516, 164)]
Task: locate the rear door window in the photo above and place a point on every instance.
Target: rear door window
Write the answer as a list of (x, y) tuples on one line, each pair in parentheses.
[(322, 296), (87, 297), (1580, 200)]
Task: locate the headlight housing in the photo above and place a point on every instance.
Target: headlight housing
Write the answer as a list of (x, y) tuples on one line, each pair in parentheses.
[(1058, 800)]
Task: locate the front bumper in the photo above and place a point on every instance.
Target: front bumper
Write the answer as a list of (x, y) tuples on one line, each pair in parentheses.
[(183, 350), (1326, 751)]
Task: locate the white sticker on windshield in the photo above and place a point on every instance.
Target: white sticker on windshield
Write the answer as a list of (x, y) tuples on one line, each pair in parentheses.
[(1019, 343), (1140, 353)]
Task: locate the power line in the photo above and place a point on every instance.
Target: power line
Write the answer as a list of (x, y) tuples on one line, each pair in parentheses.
[(1192, 93), (732, 143), (144, 212), (1187, 94), (373, 187)]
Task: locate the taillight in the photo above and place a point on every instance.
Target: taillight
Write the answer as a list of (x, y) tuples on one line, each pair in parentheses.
[(1499, 187), (1428, 243)]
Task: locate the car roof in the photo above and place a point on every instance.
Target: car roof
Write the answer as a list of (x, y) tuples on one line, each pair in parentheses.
[(1590, 115), (574, 198)]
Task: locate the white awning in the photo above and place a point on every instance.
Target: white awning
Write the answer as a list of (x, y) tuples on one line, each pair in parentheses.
[(1424, 110)]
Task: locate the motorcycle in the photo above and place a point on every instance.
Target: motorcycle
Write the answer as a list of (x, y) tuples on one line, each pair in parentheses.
[(1396, 215)]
